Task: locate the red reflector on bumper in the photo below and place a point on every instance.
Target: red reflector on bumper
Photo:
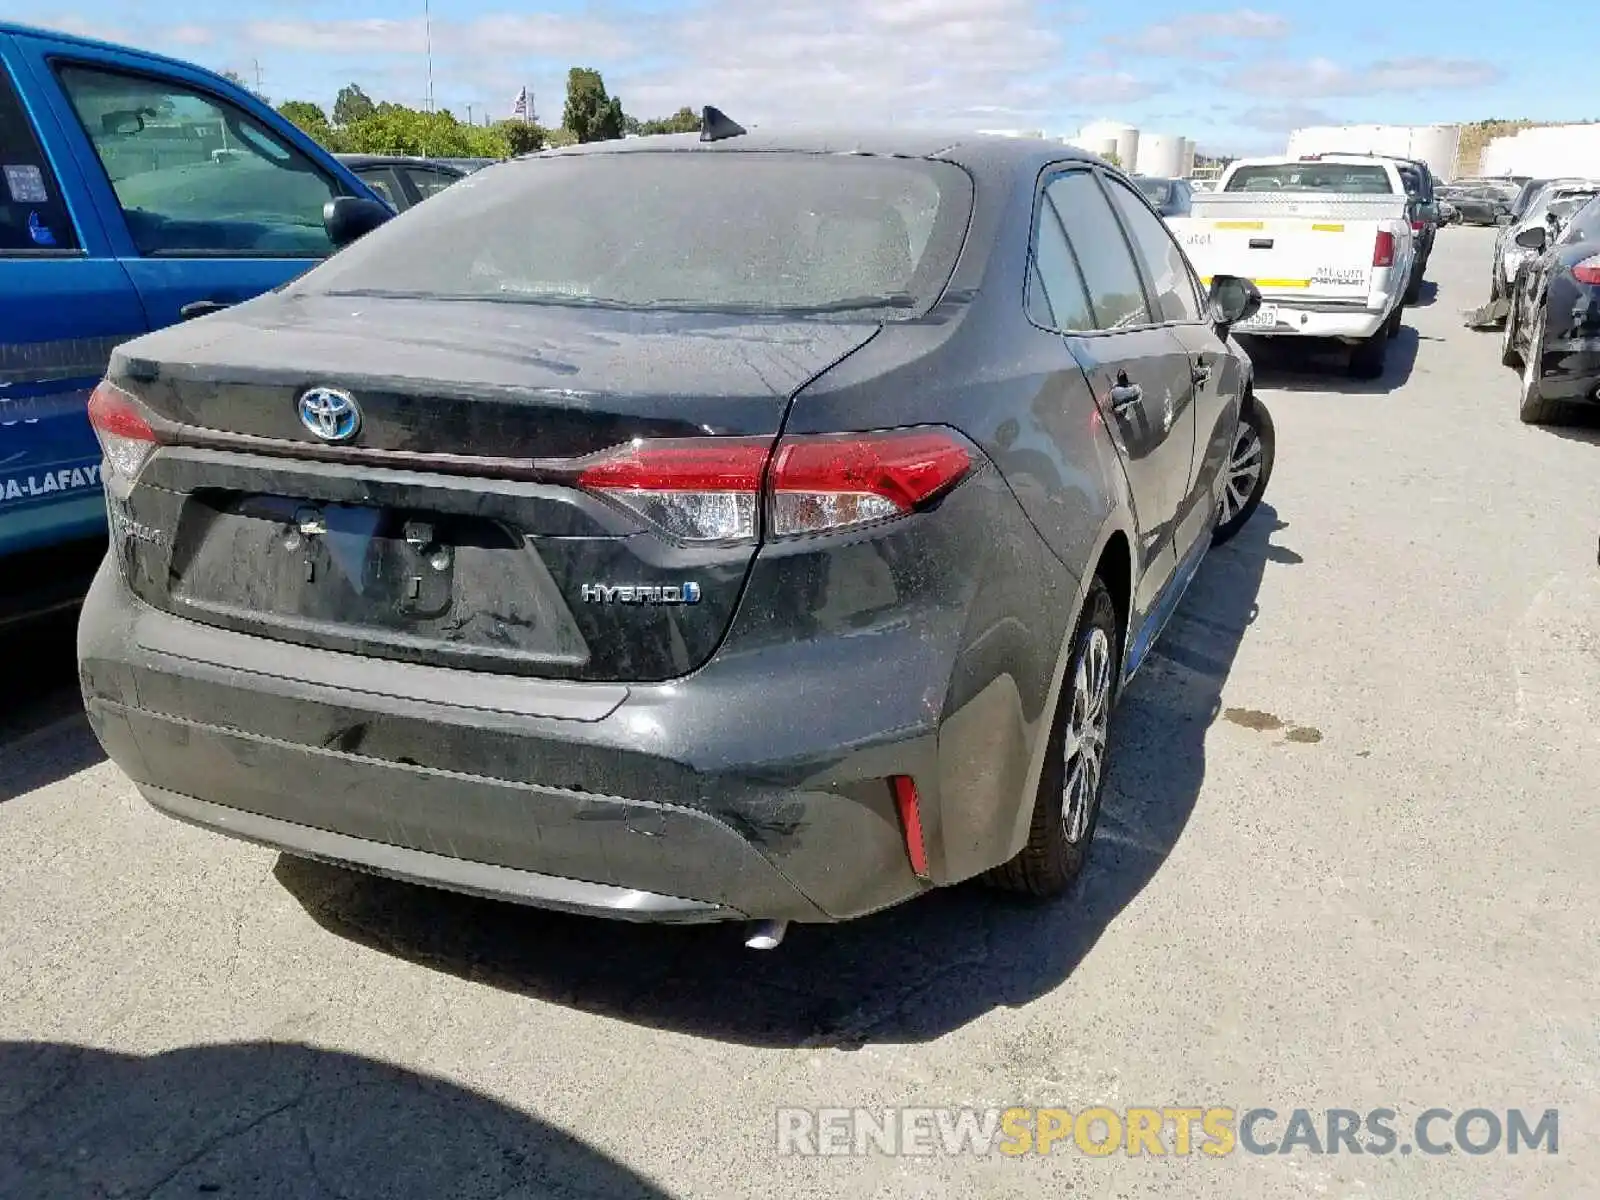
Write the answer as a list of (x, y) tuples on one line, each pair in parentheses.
[(909, 805)]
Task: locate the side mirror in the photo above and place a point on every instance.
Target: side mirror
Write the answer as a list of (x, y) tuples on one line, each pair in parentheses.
[(1533, 238), (347, 218), (1232, 300), (122, 123)]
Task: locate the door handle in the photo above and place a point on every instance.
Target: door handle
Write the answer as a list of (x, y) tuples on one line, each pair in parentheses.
[(200, 308), (1125, 395), (1202, 373)]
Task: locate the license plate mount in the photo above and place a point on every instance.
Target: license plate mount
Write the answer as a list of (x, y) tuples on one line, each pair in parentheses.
[(1264, 317)]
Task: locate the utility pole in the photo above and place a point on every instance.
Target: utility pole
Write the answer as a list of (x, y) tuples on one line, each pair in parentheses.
[(427, 33), (469, 112), (257, 63)]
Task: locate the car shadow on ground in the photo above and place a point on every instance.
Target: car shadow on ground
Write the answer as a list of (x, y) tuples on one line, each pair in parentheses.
[(1578, 423), (44, 735), (1426, 295), (1319, 365), (271, 1120), (910, 974)]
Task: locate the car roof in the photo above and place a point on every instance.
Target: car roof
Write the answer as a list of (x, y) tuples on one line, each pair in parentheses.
[(977, 151)]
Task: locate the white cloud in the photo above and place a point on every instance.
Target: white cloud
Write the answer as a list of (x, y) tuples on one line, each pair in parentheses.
[(1281, 118), (1193, 36), (780, 61), (1324, 77), (83, 27), (188, 35)]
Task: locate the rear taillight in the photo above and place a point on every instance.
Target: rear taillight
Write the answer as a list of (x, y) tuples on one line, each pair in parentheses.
[(1383, 249), (1588, 271), (824, 483), (1416, 227), (126, 439), (711, 489)]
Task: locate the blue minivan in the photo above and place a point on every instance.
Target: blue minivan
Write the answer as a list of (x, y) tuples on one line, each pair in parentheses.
[(135, 191)]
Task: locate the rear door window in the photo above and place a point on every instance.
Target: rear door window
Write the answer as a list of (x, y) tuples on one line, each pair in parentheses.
[(193, 174), (1057, 298), (382, 180), (429, 182), (33, 213), (1172, 285), (1113, 282)]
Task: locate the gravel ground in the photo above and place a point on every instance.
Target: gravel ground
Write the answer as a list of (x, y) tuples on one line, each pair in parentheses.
[(1348, 861)]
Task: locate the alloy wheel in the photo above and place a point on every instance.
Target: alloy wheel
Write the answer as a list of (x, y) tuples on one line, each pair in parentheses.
[(1088, 722), (1244, 471)]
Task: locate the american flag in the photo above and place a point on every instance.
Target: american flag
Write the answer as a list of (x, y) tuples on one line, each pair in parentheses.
[(519, 106)]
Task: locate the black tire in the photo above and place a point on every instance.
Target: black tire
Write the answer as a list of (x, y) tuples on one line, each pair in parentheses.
[(1533, 407), (1414, 284), (1392, 327), (1495, 288), (1510, 356), (1254, 416), (1368, 359), (1050, 862)]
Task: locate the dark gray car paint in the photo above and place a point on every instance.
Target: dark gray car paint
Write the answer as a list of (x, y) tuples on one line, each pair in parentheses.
[(754, 782)]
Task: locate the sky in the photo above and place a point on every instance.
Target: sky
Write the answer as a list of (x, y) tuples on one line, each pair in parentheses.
[(1235, 80)]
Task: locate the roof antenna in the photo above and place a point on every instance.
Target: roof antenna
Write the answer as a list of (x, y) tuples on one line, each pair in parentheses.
[(715, 125)]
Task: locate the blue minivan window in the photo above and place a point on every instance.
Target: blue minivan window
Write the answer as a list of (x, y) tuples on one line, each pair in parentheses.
[(195, 175), (33, 213)]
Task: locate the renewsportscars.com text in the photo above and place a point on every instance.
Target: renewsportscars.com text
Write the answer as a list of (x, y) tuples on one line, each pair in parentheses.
[(1168, 1130)]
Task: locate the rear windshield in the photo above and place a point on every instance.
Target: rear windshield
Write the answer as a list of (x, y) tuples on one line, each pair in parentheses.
[(1157, 191), (689, 230), (1348, 179)]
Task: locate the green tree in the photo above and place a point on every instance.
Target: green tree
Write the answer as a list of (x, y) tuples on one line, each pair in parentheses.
[(396, 129), (685, 120), (522, 137), (234, 78), (352, 105), (590, 114), (310, 119)]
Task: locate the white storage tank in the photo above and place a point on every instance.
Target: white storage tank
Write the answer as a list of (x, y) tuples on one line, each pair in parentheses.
[(1121, 139), (1186, 161), (1435, 145), (1161, 155)]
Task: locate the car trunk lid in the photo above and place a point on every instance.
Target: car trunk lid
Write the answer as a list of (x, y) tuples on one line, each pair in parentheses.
[(450, 524)]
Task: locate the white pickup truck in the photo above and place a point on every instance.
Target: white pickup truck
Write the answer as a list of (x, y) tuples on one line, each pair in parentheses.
[(1326, 239)]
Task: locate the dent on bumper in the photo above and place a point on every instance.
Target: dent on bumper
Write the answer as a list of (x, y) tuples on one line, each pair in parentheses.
[(616, 825)]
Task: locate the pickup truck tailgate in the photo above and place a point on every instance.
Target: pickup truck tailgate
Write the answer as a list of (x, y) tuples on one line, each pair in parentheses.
[(1294, 246)]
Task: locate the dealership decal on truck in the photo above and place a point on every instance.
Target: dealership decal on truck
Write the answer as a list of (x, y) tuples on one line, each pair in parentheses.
[(34, 484)]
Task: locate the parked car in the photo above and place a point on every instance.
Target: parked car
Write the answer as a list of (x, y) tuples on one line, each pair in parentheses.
[(404, 181), (774, 549), (119, 212), (1169, 196), (1533, 208), (1328, 239), (1479, 204), (1553, 329)]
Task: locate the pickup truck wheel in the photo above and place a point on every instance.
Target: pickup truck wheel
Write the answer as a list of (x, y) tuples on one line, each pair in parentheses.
[(1367, 360), (1533, 408), (1249, 469), (1067, 806), (1392, 328), (1414, 284)]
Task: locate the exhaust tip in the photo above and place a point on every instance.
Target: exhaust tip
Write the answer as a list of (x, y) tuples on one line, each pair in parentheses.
[(766, 935)]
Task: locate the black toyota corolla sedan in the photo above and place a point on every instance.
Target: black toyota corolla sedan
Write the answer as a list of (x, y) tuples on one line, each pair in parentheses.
[(1552, 332), (743, 527)]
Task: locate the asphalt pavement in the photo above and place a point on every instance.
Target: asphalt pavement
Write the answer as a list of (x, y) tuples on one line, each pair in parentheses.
[(1348, 861)]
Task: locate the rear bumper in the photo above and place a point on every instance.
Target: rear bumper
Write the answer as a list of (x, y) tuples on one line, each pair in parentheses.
[(1313, 321), (755, 788), (1571, 371)]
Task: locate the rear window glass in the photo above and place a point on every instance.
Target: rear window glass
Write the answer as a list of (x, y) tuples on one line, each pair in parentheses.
[(691, 230), (1348, 179), (1157, 191), (1585, 225)]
